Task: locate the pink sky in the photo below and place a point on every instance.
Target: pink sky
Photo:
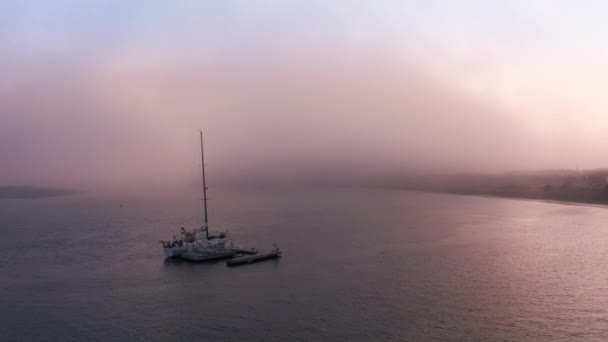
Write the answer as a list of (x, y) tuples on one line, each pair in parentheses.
[(109, 93)]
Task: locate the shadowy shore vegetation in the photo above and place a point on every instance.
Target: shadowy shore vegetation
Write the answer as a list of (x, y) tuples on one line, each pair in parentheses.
[(589, 186)]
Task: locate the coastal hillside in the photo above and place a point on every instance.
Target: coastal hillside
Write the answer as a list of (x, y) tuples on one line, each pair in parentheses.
[(588, 186)]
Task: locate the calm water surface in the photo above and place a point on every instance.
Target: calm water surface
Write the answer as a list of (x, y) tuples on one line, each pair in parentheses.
[(358, 265)]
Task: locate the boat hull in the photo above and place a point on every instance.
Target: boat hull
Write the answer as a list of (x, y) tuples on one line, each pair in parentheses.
[(198, 246), (209, 255), (175, 251)]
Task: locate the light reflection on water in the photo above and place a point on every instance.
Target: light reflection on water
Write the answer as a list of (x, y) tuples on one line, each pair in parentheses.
[(362, 265)]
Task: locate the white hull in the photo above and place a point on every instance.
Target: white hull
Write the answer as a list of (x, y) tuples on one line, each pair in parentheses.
[(175, 251), (198, 246)]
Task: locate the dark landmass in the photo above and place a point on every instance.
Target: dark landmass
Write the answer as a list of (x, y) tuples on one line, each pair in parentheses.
[(7, 192), (588, 186)]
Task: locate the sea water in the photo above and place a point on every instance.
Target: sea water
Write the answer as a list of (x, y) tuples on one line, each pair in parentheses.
[(357, 265)]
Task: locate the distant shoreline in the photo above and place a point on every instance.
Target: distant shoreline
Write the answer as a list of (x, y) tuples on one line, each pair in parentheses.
[(33, 192), (585, 187), (597, 204)]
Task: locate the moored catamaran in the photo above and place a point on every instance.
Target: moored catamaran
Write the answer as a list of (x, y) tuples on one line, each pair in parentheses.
[(200, 241), (200, 244)]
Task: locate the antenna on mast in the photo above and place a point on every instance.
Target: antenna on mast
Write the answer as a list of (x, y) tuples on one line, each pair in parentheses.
[(204, 188)]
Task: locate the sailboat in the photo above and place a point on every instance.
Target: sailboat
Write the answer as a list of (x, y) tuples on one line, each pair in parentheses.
[(198, 240)]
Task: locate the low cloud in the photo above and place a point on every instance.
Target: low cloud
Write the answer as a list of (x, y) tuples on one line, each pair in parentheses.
[(331, 116)]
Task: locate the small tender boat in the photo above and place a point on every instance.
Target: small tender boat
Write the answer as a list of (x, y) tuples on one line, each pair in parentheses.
[(260, 256)]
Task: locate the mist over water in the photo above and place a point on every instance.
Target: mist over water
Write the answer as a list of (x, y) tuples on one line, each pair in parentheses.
[(320, 118), (98, 100), (352, 119)]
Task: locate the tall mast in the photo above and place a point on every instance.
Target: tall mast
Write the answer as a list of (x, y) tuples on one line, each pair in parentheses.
[(204, 187)]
